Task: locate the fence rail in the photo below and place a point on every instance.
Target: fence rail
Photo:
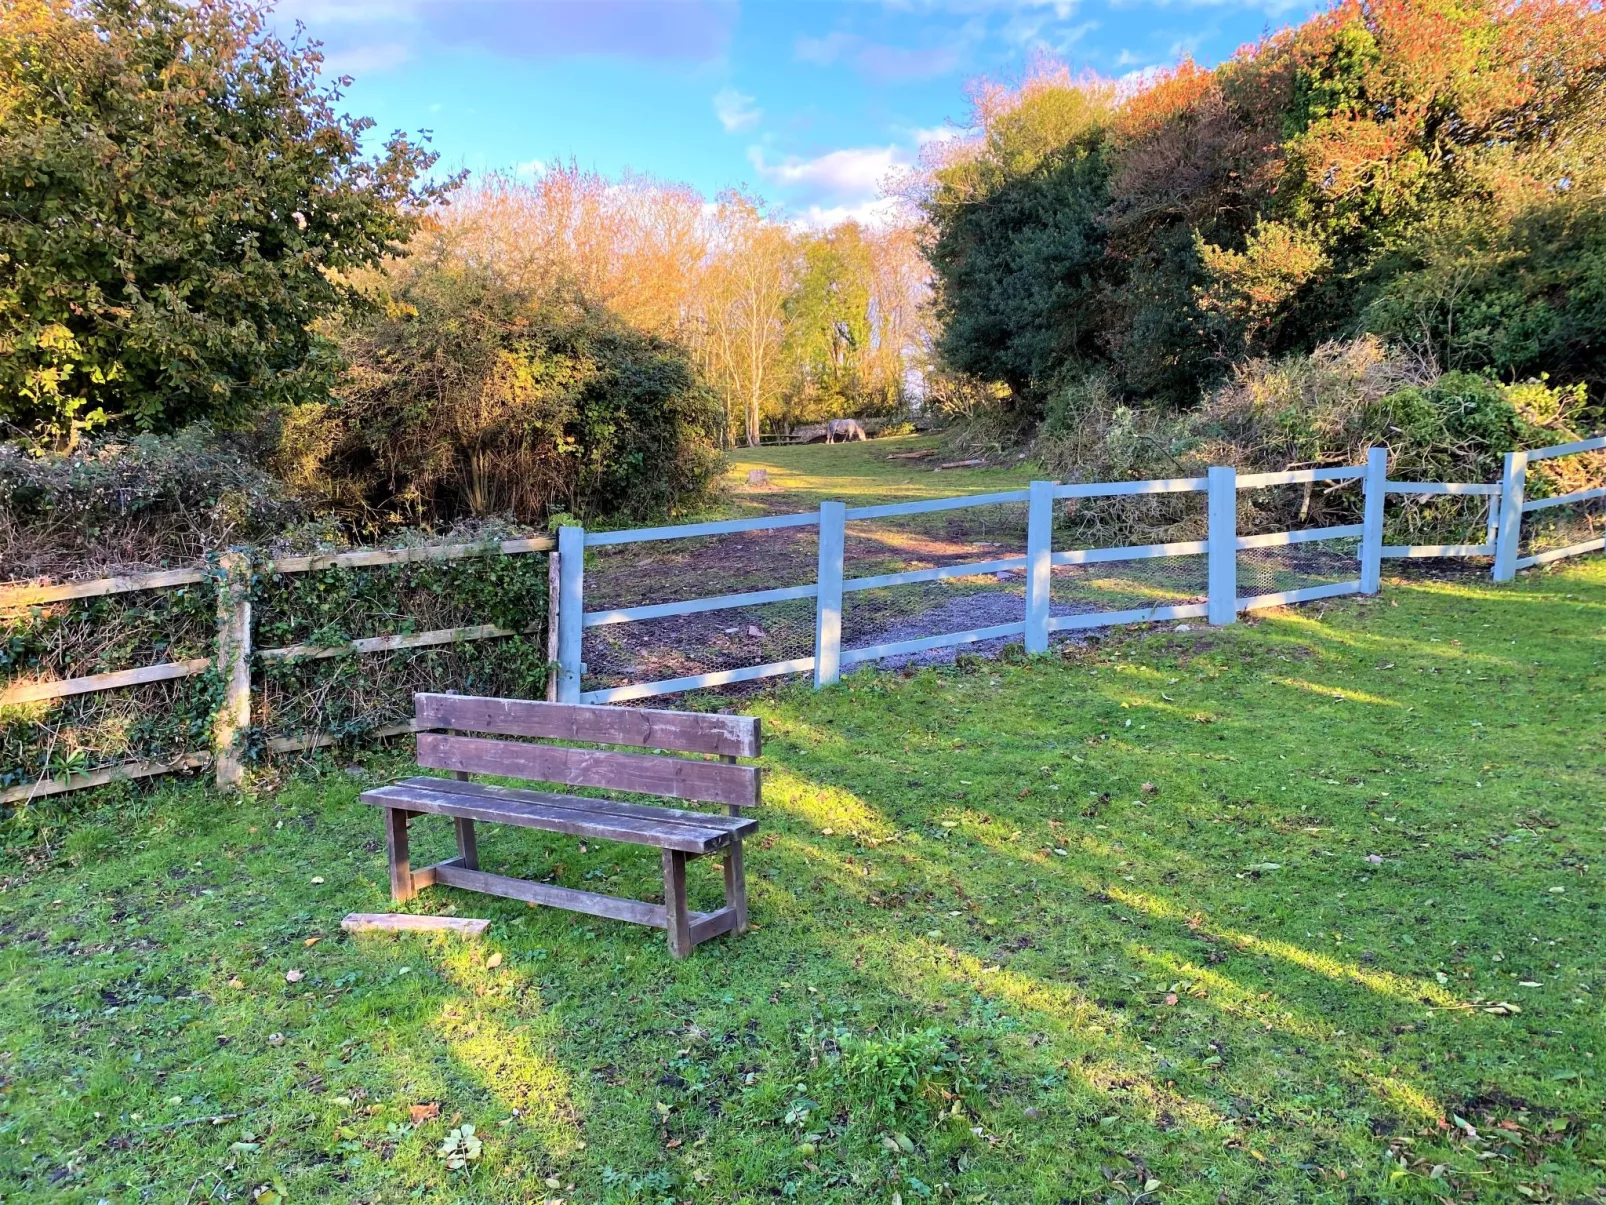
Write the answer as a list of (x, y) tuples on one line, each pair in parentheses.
[(1032, 568)]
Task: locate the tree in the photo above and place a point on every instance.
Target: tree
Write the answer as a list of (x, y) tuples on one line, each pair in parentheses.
[(1423, 169), (743, 308), (179, 203)]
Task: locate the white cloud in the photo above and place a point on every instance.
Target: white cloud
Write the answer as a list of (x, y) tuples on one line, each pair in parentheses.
[(857, 172), (530, 169), (735, 110), (927, 135), (879, 212), (366, 60)]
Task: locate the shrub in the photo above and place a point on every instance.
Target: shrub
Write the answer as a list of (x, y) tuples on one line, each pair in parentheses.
[(1304, 411), (142, 501), (466, 397)]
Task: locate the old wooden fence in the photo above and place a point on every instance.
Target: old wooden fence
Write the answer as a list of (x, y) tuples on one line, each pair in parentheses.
[(1221, 602)]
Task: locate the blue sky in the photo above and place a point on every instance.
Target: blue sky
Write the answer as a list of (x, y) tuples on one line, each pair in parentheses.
[(809, 103)]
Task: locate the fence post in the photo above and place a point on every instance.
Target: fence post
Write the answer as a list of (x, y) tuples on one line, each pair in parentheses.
[(1376, 486), (1221, 544), (233, 665), (1508, 535), (1039, 564), (553, 582), (571, 610), (828, 604)]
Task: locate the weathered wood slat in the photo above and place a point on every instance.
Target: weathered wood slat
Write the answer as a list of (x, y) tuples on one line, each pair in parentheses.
[(711, 924), (557, 815), (322, 740), (369, 558), (735, 825), (400, 922), (672, 777), (30, 596), (386, 644), (681, 731), (99, 778), (29, 692), (589, 902)]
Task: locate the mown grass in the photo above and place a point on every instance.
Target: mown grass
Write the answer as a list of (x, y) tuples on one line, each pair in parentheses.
[(1227, 915), (859, 474)]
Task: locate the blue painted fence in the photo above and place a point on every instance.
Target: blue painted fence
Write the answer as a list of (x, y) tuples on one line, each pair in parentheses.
[(1221, 486)]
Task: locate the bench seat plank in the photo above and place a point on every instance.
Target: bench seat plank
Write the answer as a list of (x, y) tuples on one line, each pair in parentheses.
[(731, 824), (560, 814)]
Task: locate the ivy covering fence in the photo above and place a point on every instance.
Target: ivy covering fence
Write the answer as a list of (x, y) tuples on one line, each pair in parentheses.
[(247, 656)]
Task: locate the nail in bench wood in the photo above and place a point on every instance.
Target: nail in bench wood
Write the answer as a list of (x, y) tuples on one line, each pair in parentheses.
[(679, 833)]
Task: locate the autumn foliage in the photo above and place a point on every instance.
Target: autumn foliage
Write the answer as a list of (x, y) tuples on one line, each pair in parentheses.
[(1425, 170)]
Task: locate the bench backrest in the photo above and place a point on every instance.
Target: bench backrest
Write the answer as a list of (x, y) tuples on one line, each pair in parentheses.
[(440, 718)]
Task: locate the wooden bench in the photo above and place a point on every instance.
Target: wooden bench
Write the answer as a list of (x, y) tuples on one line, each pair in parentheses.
[(680, 834)]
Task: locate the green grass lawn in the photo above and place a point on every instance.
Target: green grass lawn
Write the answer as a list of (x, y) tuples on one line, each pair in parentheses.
[(1304, 910), (859, 474)]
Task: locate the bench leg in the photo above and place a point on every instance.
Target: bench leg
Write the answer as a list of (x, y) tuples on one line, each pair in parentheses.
[(676, 914), (468, 850), (401, 871), (736, 884)]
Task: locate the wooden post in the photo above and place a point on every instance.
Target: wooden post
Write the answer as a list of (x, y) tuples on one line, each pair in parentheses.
[(553, 579), (1222, 544), (234, 666), (677, 919), (735, 870), (828, 605), (1376, 485), (1508, 532), (401, 870), (1039, 564), (468, 850), (571, 611)]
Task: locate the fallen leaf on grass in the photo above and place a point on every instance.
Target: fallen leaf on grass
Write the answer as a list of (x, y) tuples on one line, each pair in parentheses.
[(424, 1112), (294, 976), (236, 983), (317, 878), (460, 1148), (494, 961), (311, 941)]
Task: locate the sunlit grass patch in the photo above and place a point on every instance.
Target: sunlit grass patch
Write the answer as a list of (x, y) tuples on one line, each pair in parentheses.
[(1160, 903)]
